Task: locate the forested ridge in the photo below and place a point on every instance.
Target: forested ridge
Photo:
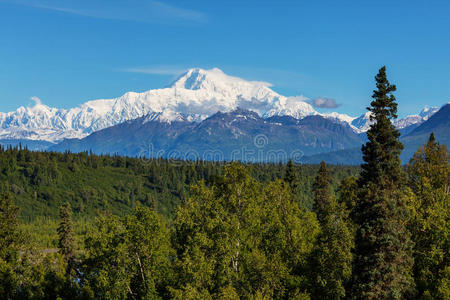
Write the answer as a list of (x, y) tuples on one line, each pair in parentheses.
[(130, 228), (42, 181)]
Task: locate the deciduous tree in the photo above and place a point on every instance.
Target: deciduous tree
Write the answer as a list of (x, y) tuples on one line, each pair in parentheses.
[(430, 223)]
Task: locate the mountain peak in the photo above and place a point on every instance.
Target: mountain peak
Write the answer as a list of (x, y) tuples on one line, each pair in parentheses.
[(214, 80), (427, 111), (195, 78)]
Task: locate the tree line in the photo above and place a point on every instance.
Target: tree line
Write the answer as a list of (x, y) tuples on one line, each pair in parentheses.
[(242, 233)]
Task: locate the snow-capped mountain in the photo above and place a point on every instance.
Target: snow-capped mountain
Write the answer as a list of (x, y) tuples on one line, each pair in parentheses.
[(424, 115), (194, 96), (362, 123)]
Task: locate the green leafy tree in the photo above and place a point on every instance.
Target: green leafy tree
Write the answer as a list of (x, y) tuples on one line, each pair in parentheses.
[(429, 179), (10, 234), (239, 239), (210, 234), (348, 192), (105, 263), (43, 276), (331, 260), (288, 233), (127, 258), (383, 248), (11, 242), (149, 249)]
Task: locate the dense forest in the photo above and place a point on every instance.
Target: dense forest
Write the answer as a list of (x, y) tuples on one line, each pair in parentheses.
[(41, 182), (82, 226)]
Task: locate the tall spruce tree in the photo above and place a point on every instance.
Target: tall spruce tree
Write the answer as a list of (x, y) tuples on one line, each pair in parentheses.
[(383, 247), (66, 240), (331, 259)]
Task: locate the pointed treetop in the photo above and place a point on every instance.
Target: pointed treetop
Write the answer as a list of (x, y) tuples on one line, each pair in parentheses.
[(381, 153), (431, 140), (290, 176), (384, 101)]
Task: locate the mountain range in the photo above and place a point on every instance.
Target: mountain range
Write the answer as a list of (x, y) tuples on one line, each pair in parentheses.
[(235, 135), (203, 114), (438, 123)]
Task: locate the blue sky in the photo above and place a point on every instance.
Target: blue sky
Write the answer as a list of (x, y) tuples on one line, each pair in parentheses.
[(68, 52)]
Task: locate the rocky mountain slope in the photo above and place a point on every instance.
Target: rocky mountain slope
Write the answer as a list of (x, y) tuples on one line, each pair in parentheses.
[(236, 135)]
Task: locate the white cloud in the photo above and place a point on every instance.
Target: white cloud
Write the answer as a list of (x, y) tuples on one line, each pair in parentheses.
[(148, 11), (157, 70), (278, 77)]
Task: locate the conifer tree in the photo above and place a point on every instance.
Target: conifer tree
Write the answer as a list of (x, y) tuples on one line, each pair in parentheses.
[(290, 176), (383, 247), (66, 240), (332, 258), (429, 177), (292, 179), (322, 191)]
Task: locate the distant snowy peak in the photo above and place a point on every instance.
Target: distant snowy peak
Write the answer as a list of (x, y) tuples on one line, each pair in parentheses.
[(296, 107), (362, 123), (424, 115), (408, 121), (340, 117), (215, 80), (428, 111)]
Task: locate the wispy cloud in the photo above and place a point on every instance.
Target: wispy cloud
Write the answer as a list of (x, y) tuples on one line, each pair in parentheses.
[(322, 102), (148, 11), (156, 70), (299, 98), (280, 78), (36, 100)]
